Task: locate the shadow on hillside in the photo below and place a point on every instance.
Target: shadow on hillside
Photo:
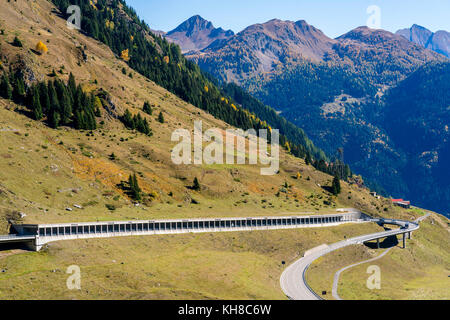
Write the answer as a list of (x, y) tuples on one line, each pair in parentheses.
[(328, 189), (385, 244), (27, 113), (13, 246)]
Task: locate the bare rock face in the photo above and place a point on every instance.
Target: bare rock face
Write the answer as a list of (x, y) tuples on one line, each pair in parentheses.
[(438, 42), (196, 34)]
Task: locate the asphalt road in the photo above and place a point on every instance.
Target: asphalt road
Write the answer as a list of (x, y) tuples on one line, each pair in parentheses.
[(293, 282), (338, 274)]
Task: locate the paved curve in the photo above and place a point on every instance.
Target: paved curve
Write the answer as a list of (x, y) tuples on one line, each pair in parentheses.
[(293, 282), (338, 274)]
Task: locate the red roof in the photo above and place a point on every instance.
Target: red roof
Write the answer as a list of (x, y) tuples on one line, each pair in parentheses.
[(401, 201)]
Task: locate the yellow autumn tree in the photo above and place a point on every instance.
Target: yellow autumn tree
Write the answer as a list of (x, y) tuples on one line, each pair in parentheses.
[(109, 24), (124, 55), (98, 103), (206, 89), (287, 146), (299, 176), (41, 47), (166, 59)]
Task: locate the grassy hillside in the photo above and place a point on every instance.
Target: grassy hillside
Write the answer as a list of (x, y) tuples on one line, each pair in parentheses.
[(206, 266), (43, 171)]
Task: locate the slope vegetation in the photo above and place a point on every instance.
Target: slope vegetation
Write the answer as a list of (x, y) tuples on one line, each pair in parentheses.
[(45, 171)]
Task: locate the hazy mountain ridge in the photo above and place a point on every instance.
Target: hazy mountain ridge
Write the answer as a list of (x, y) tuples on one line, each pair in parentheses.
[(438, 41)]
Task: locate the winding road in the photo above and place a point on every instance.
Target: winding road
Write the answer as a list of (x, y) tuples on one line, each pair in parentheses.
[(293, 282)]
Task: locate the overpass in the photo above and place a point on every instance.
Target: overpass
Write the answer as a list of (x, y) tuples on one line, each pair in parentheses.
[(37, 235), (293, 280), (14, 238)]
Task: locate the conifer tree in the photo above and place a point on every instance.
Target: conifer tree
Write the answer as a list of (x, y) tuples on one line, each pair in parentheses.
[(44, 97), (71, 84), (161, 117), (66, 108), (54, 116), (336, 186), (147, 108), (36, 104), (127, 120), (308, 159), (135, 190), (5, 87), (19, 89), (17, 43), (196, 185)]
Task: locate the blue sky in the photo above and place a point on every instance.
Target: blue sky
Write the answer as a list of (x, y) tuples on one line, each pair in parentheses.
[(333, 17)]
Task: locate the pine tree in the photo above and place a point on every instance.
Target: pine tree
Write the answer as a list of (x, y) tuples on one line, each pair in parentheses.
[(66, 109), (161, 117), (147, 129), (97, 103), (19, 89), (135, 190), (147, 108), (36, 104), (5, 87), (54, 116), (336, 186), (308, 159), (45, 98), (71, 84), (196, 185), (348, 172), (128, 121), (17, 43)]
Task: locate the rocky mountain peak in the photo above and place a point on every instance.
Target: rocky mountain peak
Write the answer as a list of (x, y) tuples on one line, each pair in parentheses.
[(438, 42), (196, 34)]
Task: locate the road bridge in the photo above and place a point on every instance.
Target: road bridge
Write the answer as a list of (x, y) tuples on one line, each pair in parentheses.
[(41, 234), (293, 280)]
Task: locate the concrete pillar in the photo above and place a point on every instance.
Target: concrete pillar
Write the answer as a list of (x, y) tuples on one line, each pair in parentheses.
[(409, 235), (378, 243), (404, 241)]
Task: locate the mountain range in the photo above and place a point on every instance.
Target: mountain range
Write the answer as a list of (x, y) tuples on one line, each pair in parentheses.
[(437, 41), (87, 123), (341, 92)]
